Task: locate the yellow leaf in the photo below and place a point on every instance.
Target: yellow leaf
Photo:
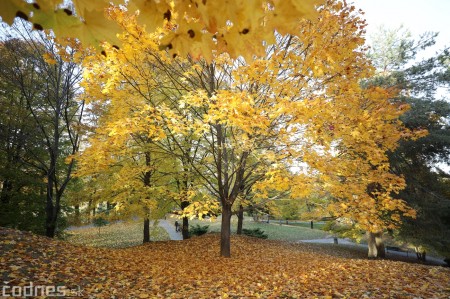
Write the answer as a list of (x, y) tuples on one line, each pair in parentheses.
[(12, 8)]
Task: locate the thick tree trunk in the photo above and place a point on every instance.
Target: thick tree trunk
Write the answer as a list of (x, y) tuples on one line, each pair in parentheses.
[(185, 228), (146, 230), (372, 249), (52, 209), (6, 190), (225, 233), (375, 245), (4, 203), (240, 216), (52, 212), (50, 229)]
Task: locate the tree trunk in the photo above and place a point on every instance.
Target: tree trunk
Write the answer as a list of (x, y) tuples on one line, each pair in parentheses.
[(375, 245), (52, 209), (6, 190), (52, 212), (146, 230), (77, 215), (421, 254), (50, 228), (4, 203), (185, 228), (240, 216), (225, 232), (146, 181)]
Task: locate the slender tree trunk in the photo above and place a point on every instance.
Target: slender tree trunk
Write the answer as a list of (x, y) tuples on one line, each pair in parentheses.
[(225, 232), (421, 254), (147, 177), (77, 214), (376, 245), (50, 209), (146, 230), (240, 216)]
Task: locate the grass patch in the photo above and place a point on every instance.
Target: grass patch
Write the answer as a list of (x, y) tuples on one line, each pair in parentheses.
[(115, 235), (272, 229), (316, 225), (286, 233)]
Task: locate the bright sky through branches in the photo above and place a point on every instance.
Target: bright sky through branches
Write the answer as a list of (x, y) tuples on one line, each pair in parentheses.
[(416, 15)]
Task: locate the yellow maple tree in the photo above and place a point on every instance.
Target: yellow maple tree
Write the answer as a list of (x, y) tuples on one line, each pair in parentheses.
[(279, 122), (124, 170)]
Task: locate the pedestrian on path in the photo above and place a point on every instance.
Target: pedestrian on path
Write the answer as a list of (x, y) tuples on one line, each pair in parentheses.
[(177, 226)]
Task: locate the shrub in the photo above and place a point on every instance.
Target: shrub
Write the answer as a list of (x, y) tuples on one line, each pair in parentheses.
[(256, 232), (198, 230), (99, 222)]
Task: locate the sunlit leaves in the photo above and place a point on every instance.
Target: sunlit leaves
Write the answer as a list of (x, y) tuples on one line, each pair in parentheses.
[(302, 106), (57, 20), (11, 9), (197, 27)]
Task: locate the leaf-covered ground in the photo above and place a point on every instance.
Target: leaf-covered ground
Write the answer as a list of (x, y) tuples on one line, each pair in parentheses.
[(193, 269)]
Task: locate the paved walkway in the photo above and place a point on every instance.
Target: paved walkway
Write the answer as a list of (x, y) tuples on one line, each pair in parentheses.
[(170, 228), (331, 241), (412, 255)]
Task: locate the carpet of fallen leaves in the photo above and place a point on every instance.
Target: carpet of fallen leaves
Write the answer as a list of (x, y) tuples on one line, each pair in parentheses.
[(193, 269)]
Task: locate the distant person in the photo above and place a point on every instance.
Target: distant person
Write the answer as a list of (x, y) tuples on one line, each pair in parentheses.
[(177, 226)]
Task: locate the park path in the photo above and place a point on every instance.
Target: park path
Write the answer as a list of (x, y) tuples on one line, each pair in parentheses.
[(430, 259), (331, 240), (170, 228)]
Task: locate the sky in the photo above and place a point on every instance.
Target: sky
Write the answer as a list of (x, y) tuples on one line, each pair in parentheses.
[(418, 16)]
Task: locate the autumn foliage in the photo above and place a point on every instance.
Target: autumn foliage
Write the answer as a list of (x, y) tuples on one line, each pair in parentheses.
[(198, 27), (296, 120), (193, 269)]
